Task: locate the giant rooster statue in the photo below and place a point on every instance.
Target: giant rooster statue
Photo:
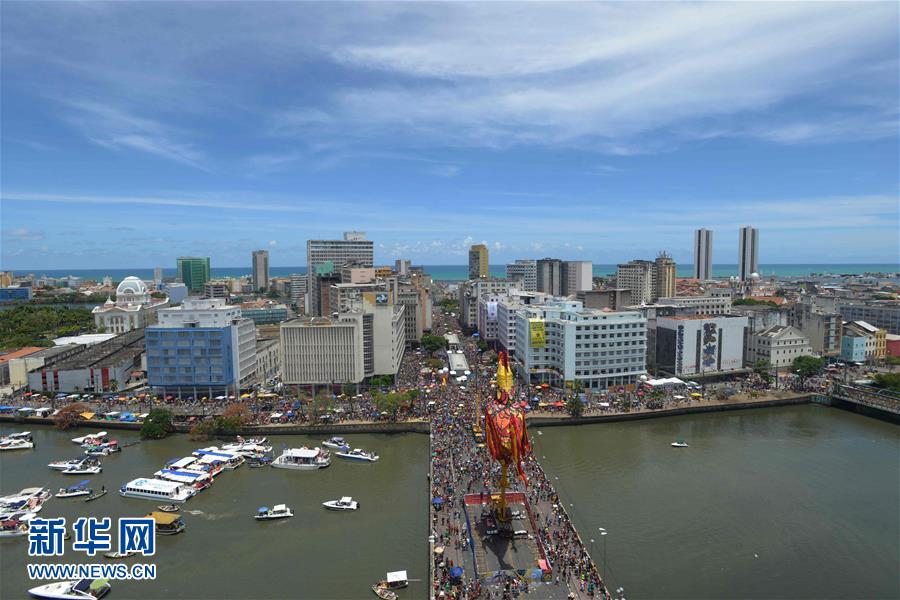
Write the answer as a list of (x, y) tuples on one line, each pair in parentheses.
[(505, 434)]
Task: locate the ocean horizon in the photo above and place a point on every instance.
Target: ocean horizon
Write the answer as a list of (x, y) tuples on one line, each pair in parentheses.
[(460, 272)]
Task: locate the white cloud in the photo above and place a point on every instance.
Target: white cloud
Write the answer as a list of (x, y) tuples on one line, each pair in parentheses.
[(273, 243)]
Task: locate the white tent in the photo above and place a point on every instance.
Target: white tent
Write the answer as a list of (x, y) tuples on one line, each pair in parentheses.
[(664, 382)]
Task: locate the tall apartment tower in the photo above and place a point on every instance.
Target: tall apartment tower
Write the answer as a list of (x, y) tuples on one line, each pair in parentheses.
[(577, 276), (157, 275), (524, 270), (549, 276), (703, 244), (748, 253), (193, 272), (478, 261), (664, 276), (324, 257), (260, 270)]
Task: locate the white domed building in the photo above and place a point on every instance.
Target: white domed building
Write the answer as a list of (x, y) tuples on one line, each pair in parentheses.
[(133, 308)]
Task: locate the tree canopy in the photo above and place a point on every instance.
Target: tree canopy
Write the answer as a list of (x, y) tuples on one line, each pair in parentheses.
[(158, 424), (808, 366), (434, 342), (33, 325)]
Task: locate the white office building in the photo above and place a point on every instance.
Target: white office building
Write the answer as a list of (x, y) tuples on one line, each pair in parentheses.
[(700, 305), (471, 292), (577, 276), (698, 345), (524, 270), (507, 308), (561, 341), (323, 350), (330, 256), (703, 246)]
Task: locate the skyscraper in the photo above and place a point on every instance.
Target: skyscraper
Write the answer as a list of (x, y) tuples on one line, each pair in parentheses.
[(703, 244), (664, 274), (478, 261), (260, 270), (577, 276), (549, 276), (748, 253), (324, 257), (526, 270), (157, 275), (193, 272)]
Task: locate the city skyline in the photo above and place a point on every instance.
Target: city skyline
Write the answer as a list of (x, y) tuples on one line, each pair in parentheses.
[(596, 131)]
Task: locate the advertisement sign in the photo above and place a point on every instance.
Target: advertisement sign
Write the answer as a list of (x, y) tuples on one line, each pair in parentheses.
[(491, 311), (538, 333)]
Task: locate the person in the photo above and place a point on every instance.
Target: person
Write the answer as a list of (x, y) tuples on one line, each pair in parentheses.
[(103, 488)]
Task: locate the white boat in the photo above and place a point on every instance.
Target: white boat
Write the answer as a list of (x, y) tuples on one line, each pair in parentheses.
[(248, 449), (345, 503), (231, 460), (679, 444), (357, 454), (29, 499), (73, 491), (185, 476), (302, 459), (156, 489), (88, 466), (17, 441), (11, 529), (93, 436), (279, 511), (62, 465), (103, 449), (336, 443), (119, 554), (84, 589)]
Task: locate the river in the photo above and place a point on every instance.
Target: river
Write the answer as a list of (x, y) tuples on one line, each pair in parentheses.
[(789, 502), (224, 553)]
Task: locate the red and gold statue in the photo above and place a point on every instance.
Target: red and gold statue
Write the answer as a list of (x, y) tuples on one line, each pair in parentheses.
[(506, 436)]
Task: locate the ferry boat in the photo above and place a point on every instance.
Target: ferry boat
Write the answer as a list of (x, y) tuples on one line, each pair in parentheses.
[(72, 491), (279, 511), (85, 589), (679, 444), (345, 503), (357, 454), (231, 460), (185, 476), (17, 441), (157, 489), (167, 523), (302, 459), (89, 466), (336, 443), (62, 465), (90, 437)]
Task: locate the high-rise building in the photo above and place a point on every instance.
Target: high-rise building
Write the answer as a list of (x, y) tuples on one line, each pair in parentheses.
[(664, 273), (577, 276), (157, 275), (260, 278), (402, 266), (524, 270), (748, 253), (648, 280), (478, 261), (193, 272), (703, 245), (324, 257), (549, 276)]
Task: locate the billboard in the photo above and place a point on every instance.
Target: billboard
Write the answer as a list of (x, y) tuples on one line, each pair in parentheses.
[(538, 333), (491, 311)]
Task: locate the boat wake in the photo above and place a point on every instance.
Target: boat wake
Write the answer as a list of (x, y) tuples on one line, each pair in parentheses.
[(207, 516)]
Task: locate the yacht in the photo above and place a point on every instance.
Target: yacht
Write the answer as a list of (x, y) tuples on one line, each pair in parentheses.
[(90, 437), (248, 449), (29, 499), (357, 454), (103, 449), (85, 589), (679, 444), (336, 443), (62, 465), (302, 459), (156, 489), (279, 511), (72, 491), (231, 460), (89, 466), (17, 441), (345, 503), (185, 476)]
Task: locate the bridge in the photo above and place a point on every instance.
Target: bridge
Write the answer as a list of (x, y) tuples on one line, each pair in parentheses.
[(879, 399)]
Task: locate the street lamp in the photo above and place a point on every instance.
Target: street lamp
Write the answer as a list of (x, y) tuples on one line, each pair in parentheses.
[(603, 533)]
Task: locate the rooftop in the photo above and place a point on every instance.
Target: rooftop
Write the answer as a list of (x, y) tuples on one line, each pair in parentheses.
[(119, 349), (19, 353)]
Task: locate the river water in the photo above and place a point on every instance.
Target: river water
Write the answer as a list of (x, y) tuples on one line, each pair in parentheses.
[(224, 553), (789, 502)]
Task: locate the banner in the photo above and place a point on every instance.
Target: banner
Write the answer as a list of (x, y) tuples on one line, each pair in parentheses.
[(491, 311), (538, 334)]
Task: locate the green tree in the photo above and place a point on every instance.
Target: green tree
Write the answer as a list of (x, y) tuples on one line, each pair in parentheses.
[(113, 385), (808, 366), (432, 343), (889, 381), (322, 402), (381, 380), (574, 406), (35, 325), (389, 403), (450, 304), (762, 368), (158, 424)]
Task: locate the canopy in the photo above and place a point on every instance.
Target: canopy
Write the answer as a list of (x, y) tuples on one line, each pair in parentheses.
[(87, 415), (437, 500), (397, 576), (664, 381), (456, 572), (162, 518), (99, 583)]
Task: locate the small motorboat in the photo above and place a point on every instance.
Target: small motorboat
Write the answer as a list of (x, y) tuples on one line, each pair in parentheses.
[(679, 444), (104, 449), (383, 593), (73, 491), (96, 495), (119, 554), (345, 503), (167, 523), (9, 529), (336, 443), (169, 508), (357, 454), (256, 463), (85, 589), (93, 436), (279, 511), (394, 580), (62, 465), (17, 441), (89, 466)]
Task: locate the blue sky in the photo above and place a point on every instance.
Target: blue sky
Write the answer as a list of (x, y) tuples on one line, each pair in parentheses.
[(134, 132)]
